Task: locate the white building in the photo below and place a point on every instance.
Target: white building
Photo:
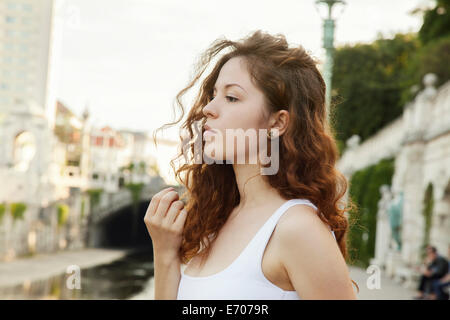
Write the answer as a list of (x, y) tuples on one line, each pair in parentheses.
[(73, 135), (116, 155), (139, 153), (28, 68), (106, 152), (29, 55)]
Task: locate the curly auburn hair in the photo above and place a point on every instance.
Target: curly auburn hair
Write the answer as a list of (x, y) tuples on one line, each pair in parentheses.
[(290, 80)]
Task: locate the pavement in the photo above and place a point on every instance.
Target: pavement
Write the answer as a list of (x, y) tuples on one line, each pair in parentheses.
[(384, 289), (42, 266)]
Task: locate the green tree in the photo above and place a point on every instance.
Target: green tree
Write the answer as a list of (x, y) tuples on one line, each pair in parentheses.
[(368, 81), (436, 22), (431, 58)]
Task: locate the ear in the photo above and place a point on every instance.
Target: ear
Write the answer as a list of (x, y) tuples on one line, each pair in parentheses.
[(280, 120)]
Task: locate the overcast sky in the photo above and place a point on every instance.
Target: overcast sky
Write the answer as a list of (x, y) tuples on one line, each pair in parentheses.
[(128, 58)]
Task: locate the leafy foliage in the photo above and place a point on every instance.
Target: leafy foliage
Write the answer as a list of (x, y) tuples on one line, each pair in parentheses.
[(135, 189), (364, 191), (372, 82), (82, 209), (2, 210), (431, 58), (436, 22), (370, 79), (17, 210), (63, 214), (94, 196), (428, 204)]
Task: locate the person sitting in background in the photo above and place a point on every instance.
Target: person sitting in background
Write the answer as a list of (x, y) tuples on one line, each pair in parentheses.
[(436, 267), (440, 285)]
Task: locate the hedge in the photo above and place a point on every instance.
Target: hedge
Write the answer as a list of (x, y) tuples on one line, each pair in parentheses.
[(364, 191)]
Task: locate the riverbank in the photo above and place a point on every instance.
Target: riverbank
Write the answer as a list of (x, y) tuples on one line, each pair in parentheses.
[(42, 266)]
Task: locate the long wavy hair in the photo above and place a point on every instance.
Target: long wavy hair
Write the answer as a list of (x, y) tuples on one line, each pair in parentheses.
[(290, 80)]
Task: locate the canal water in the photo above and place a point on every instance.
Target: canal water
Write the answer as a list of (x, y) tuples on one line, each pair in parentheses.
[(124, 278)]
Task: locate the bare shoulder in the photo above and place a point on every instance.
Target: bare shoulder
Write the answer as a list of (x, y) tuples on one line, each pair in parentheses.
[(301, 231), (301, 217), (310, 255)]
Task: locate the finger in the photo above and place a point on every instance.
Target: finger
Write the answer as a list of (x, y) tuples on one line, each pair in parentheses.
[(174, 209), (180, 219), (156, 199), (165, 203)]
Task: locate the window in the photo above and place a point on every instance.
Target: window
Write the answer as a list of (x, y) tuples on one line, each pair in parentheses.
[(11, 33), (24, 150), (99, 141), (27, 7), (10, 19), (25, 34)]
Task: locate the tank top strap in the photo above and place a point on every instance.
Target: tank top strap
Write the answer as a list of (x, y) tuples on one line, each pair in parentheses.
[(265, 231), (254, 250), (269, 227)]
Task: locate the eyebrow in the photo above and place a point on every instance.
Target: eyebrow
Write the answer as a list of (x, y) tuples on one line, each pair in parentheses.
[(231, 84)]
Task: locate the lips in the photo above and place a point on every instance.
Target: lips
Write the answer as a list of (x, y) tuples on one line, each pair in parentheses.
[(208, 130)]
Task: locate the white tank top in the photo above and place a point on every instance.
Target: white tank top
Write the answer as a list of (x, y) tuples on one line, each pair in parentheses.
[(243, 279)]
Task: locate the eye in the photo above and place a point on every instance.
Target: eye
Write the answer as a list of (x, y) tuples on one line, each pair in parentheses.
[(230, 98)]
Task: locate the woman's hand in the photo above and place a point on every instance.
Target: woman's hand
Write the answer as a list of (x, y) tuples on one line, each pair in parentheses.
[(165, 219)]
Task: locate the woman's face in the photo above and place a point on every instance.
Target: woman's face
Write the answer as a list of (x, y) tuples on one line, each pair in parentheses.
[(236, 104)]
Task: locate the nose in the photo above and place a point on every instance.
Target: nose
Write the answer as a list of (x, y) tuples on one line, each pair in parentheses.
[(208, 111)]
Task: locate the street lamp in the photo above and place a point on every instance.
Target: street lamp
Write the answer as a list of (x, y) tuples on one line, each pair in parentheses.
[(329, 10)]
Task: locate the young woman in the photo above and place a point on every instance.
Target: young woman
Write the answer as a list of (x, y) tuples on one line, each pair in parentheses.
[(244, 234)]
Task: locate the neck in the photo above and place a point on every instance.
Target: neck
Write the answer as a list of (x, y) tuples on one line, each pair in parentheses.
[(253, 189)]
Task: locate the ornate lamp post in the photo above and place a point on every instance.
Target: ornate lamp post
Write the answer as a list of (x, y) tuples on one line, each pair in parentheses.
[(329, 10)]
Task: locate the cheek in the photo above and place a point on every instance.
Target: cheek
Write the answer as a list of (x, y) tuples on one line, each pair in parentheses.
[(246, 117)]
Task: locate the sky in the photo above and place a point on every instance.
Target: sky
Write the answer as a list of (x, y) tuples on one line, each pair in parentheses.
[(127, 59)]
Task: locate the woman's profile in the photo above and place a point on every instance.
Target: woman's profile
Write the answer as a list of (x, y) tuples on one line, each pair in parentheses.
[(241, 233)]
